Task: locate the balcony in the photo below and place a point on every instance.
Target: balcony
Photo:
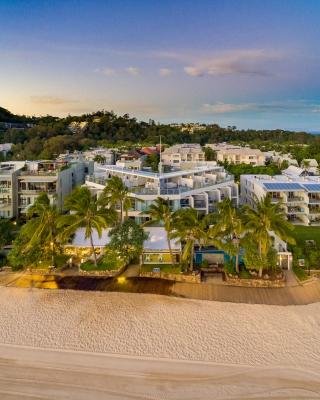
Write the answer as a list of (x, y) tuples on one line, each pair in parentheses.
[(199, 204), (276, 199), (315, 210), (314, 200), (40, 173), (5, 203), (5, 189), (295, 199)]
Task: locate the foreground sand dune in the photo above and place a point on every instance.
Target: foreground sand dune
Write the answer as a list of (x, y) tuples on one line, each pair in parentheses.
[(237, 351)]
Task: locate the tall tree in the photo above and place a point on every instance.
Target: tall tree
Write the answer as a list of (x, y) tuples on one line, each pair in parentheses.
[(229, 227), (160, 212), (116, 194), (188, 229), (6, 232), (42, 227), (127, 240), (263, 219), (85, 212)]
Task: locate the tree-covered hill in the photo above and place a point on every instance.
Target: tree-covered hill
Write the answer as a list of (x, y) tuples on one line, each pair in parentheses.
[(7, 116), (51, 136)]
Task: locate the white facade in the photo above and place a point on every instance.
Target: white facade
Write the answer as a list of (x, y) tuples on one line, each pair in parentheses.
[(237, 154), (107, 154), (300, 196), (180, 153), (22, 182), (279, 158), (200, 188)]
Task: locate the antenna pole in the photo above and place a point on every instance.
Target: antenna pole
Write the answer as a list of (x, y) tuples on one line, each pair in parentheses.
[(160, 162)]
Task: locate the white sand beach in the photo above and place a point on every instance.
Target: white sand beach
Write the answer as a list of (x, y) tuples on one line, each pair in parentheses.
[(224, 350)]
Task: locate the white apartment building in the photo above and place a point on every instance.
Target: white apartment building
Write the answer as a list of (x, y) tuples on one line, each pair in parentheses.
[(278, 158), (176, 155), (9, 188), (201, 187), (107, 154), (22, 182), (300, 195), (238, 154)]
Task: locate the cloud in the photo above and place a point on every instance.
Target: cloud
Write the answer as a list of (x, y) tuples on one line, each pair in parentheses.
[(245, 62), (108, 71), (298, 106), (133, 71), (51, 100), (164, 71), (221, 108), (193, 71)]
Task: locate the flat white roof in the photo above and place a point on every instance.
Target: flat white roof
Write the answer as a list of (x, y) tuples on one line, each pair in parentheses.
[(286, 183), (155, 175), (157, 239)]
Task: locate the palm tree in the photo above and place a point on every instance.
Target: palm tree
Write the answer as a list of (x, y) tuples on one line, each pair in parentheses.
[(267, 217), (229, 226), (160, 211), (188, 229), (306, 166), (99, 159), (42, 228), (116, 194), (87, 213)]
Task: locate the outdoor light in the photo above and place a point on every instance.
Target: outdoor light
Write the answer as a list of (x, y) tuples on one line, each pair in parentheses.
[(121, 279)]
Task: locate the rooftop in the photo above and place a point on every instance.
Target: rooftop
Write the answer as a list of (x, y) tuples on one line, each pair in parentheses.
[(285, 183), (164, 175)]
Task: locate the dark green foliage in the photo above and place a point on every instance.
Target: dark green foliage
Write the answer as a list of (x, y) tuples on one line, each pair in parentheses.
[(126, 240), (51, 136), (152, 161), (210, 155), (241, 169), (6, 232)]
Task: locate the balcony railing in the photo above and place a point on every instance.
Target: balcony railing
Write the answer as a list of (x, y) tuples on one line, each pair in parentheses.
[(4, 204), (314, 210), (38, 190), (39, 173), (295, 199), (314, 201), (5, 190)]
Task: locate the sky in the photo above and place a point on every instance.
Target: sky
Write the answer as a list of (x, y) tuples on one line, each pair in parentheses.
[(248, 63)]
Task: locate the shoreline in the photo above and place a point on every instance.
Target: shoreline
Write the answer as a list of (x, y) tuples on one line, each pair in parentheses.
[(104, 345), (52, 374)]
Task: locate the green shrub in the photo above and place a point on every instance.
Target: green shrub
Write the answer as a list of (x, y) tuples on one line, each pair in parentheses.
[(229, 268), (300, 273), (245, 274)]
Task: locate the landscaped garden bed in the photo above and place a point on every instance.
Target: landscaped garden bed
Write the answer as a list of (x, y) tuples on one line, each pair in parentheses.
[(109, 265), (169, 272)]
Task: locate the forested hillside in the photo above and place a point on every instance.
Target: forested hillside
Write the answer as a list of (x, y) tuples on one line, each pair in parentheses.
[(51, 136)]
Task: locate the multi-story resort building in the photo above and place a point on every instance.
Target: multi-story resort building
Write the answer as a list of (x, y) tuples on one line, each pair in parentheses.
[(201, 187), (237, 154), (9, 188), (300, 195), (22, 182), (181, 153)]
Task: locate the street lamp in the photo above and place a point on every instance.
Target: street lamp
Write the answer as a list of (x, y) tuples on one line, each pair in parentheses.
[(236, 241), (52, 254)]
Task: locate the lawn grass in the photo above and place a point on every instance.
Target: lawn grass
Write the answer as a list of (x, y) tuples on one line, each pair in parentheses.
[(302, 233), (169, 268), (101, 266), (300, 273)]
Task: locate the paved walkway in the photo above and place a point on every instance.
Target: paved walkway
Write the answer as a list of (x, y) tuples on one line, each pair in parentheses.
[(290, 295), (293, 294)]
